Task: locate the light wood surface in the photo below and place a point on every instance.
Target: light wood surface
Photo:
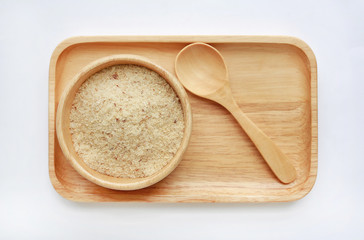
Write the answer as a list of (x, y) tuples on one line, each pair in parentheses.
[(63, 122), (221, 164), (202, 70)]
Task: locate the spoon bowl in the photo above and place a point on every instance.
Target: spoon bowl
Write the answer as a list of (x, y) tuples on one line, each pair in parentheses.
[(202, 70)]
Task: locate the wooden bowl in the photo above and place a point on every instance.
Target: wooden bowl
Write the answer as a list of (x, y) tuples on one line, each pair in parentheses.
[(63, 122)]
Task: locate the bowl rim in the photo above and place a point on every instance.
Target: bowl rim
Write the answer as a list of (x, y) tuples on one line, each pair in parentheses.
[(62, 123)]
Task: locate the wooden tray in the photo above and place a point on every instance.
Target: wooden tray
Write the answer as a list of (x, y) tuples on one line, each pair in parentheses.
[(273, 79)]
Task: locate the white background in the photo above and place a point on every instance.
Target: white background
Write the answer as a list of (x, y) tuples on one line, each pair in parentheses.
[(31, 209)]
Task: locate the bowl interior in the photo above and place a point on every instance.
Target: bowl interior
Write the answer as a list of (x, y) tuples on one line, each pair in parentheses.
[(63, 122)]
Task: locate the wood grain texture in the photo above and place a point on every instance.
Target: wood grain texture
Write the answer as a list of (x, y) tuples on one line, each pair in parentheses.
[(221, 164), (202, 70)]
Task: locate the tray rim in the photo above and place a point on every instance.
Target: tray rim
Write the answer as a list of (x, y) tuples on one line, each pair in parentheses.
[(306, 186)]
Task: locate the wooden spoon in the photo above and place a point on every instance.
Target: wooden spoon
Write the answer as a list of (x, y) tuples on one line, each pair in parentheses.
[(202, 70)]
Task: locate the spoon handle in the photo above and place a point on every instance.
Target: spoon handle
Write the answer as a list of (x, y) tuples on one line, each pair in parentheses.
[(275, 158)]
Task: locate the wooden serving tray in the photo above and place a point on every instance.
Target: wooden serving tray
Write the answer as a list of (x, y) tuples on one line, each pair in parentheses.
[(274, 81)]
